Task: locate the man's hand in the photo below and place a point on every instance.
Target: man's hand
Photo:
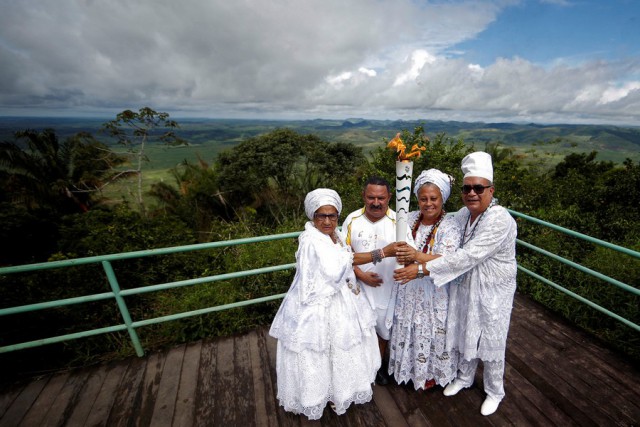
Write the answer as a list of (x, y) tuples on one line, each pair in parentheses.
[(392, 248), (370, 278)]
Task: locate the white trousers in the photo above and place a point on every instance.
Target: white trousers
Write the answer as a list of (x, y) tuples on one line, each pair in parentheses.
[(493, 376)]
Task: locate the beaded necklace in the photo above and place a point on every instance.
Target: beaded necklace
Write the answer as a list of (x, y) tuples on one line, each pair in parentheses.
[(336, 240), (428, 241), (475, 227), (354, 287)]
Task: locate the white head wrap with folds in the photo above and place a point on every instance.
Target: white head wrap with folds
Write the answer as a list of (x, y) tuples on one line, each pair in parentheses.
[(321, 197), (439, 179), (478, 164)]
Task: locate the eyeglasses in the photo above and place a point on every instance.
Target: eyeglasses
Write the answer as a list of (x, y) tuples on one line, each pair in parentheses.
[(321, 217), (478, 188)]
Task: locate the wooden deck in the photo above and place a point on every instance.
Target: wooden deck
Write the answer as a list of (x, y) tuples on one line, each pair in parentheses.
[(555, 375)]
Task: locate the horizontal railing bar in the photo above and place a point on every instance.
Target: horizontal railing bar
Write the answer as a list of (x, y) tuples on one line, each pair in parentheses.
[(188, 282), (207, 310), (580, 298), (577, 266), (61, 338), (56, 303), (141, 323), (136, 291), (143, 253), (622, 249)]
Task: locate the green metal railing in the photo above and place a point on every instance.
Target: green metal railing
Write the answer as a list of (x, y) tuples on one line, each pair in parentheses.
[(130, 325), (579, 267), (118, 294)]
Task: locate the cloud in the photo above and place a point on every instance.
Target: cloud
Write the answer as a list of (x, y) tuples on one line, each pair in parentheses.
[(418, 60), (287, 58), (368, 72), (615, 94), (557, 2)]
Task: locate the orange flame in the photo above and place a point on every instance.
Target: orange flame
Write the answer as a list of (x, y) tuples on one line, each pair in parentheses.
[(399, 146)]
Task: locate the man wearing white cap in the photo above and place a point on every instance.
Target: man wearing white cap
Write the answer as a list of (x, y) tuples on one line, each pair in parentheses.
[(480, 306)]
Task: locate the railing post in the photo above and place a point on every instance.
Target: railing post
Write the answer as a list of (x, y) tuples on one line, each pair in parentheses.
[(115, 287)]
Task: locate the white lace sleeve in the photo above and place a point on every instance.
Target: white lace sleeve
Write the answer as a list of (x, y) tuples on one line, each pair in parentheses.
[(489, 236), (448, 236), (322, 269)]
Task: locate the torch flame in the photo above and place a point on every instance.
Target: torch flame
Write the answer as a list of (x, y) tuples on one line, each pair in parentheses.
[(399, 146)]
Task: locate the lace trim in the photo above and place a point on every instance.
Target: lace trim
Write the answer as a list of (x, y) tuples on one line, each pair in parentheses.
[(315, 412)]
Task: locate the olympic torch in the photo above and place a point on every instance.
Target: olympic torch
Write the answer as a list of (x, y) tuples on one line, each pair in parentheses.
[(404, 172)]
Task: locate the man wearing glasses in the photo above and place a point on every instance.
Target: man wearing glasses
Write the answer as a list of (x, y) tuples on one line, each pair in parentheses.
[(368, 228), (480, 305)]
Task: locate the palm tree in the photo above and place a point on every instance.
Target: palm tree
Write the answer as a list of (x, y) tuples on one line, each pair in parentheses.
[(39, 172)]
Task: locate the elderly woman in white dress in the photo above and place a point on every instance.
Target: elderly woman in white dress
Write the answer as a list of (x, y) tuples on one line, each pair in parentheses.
[(419, 321), (327, 345)]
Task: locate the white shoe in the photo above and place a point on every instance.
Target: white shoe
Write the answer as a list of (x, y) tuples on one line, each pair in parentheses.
[(489, 406), (453, 388)]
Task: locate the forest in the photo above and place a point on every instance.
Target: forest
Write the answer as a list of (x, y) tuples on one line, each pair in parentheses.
[(78, 196)]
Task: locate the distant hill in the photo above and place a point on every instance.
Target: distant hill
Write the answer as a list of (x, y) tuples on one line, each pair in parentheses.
[(213, 135)]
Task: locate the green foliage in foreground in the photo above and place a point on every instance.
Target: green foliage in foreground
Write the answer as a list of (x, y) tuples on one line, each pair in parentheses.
[(256, 188)]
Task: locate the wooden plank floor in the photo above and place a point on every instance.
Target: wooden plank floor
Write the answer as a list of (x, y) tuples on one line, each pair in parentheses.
[(555, 375)]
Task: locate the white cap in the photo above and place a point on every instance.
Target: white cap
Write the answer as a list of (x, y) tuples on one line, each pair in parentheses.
[(478, 164)]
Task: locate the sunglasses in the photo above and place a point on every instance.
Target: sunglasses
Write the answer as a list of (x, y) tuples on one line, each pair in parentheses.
[(322, 217), (478, 188)]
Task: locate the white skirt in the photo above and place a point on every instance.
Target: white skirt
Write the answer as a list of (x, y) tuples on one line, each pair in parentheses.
[(309, 379)]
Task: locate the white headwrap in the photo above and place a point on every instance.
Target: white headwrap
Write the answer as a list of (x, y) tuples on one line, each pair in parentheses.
[(321, 197), (478, 164), (434, 176)]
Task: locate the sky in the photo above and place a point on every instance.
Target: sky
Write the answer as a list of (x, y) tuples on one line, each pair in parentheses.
[(541, 61)]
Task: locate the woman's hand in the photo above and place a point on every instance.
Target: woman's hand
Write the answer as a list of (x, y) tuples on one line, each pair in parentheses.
[(406, 254), (406, 274)]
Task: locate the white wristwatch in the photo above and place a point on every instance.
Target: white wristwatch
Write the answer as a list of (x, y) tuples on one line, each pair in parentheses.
[(420, 272)]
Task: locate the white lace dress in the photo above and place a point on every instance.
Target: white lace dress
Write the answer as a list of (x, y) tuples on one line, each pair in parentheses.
[(480, 306), (417, 348), (327, 346)]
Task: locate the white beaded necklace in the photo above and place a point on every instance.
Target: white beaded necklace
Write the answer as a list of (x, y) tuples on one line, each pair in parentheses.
[(353, 287), (472, 230)]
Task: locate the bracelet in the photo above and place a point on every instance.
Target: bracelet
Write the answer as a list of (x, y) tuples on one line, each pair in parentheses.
[(376, 256)]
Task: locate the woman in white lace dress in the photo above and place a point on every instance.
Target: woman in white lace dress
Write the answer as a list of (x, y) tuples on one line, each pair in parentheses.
[(327, 344), (419, 320)]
